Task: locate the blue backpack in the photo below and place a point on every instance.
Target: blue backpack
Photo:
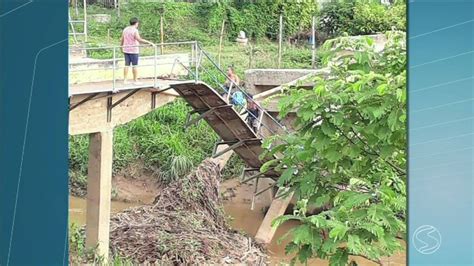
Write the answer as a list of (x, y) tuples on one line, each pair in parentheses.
[(238, 98)]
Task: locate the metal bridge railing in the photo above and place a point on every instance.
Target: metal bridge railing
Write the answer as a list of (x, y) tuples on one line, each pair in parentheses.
[(112, 59), (205, 63), (201, 65)]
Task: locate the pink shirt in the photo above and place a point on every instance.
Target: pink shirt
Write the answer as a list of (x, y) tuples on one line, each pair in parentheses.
[(129, 38)]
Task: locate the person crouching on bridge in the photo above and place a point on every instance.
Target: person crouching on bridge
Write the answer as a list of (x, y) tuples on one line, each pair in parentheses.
[(253, 114), (130, 42), (231, 82)]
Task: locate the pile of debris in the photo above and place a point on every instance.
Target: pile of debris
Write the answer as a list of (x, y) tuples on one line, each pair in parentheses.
[(186, 225)]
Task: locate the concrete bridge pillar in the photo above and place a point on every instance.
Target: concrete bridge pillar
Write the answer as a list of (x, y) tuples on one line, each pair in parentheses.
[(278, 207), (99, 185)]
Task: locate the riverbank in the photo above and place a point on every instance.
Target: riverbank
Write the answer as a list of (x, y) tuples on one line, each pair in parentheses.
[(237, 207)]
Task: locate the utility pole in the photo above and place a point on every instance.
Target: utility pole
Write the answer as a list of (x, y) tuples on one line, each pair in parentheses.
[(161, 32), (220, 41), (117, 6), (313, 43), (161, 11), (85, 20), (280, 37)]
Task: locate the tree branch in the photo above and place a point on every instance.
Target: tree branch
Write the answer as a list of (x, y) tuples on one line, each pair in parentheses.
[(398, 169), (352, 141)]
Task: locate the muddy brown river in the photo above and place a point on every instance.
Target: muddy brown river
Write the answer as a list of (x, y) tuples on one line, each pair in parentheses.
[(237, 207)]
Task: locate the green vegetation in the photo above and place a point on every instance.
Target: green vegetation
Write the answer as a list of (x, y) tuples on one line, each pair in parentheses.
[(158, 139), (79, 254), (348, 155), (360, 18), (203, 20), (259, 19)]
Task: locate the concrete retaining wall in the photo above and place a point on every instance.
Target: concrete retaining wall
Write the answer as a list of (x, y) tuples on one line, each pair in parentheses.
[(260, 80)]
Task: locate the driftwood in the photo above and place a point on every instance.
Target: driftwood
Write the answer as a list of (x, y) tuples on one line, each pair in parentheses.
[(186, 225)]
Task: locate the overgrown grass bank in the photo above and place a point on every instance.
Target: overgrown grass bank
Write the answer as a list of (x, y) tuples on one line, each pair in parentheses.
[(158, 139)]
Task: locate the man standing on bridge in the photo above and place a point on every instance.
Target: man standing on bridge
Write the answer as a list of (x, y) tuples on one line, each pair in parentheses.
[(130, 41)]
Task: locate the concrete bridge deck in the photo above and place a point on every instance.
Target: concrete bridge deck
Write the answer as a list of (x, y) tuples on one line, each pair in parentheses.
[(97, 106), (108, 86)]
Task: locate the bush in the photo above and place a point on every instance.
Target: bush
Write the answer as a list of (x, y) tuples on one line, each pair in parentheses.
[(233, 168), (160, 137), (376, 18), (176, 15), (348, 156), (261, 19), (360, 18), (297, 58), (336, 17), (370, 18), (202, 21), (78, 153)]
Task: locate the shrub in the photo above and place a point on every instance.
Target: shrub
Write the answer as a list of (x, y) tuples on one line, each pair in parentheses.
[(376, 18), (336, 17), (348, 155), (234, 167), (360, 17)]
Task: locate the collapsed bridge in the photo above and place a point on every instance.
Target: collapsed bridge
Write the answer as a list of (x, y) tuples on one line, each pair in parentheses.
[(100, 101)]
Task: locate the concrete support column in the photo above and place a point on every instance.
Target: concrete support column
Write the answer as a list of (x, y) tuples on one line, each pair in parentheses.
[(222, 160), (278, 207), (99, 185)]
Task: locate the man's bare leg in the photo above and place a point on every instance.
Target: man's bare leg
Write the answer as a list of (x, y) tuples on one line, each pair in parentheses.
[(125, 74), (135, 74)]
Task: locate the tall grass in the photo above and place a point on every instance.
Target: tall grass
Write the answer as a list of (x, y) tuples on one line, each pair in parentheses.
[(158, 139)]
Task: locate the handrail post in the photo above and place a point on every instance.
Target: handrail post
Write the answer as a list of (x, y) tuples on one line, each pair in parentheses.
[(176, 60), (240, 89), (260, 120), (198, 59), (113, 70), (192, 61), (154, 67), (229, 92), (85, 20)]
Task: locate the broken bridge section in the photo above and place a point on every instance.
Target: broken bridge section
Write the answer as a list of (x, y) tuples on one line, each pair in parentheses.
[(226, 122), (231, 126)]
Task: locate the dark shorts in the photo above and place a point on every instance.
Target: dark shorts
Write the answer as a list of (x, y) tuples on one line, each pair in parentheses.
[(131, 59)]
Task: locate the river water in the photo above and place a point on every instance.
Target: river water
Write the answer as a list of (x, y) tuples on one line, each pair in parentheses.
[(238, 207)]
